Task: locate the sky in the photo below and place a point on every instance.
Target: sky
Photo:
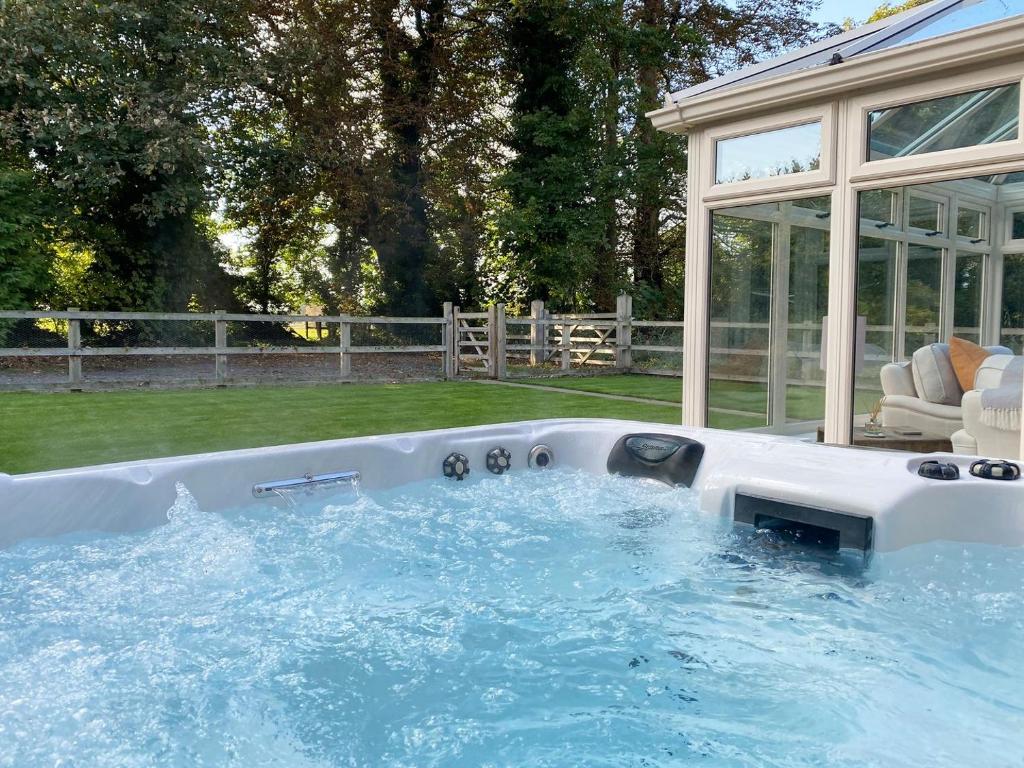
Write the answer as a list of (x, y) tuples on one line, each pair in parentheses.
[(837, 10)]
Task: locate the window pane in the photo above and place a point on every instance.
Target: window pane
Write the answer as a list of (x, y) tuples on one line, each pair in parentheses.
[(808, 304), (1017, 225), (972, 224), (967, 296), (741, 276), (876, 297), (769, 293), (773, 153), (926, 214), (959, 17), (1013, 302), (924, 296), (964, 120), (878, 205)]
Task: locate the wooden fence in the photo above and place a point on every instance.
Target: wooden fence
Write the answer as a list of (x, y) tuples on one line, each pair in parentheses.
[(465, 343), (337, 330)]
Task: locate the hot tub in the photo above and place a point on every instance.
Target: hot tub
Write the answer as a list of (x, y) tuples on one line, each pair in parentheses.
[(354, 603), (740, 475)]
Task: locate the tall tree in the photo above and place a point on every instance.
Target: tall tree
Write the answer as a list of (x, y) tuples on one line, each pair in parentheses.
[(112, 102), (552, 227)]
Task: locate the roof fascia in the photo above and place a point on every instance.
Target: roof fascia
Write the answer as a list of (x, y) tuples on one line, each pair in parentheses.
[(982, 45)]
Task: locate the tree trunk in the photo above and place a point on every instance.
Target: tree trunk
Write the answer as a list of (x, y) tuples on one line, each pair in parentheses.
[(607, 272), (399, 231), (649, 183)]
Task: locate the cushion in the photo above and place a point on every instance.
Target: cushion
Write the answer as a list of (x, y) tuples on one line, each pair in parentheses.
[(966, 357), (990, 372), (934, 377)]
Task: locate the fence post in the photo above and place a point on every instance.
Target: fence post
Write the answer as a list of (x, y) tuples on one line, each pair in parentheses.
[(447, 334), (220, 341), (538, 333), (500, 343), (345, 341), (624, 331), (456, 342), (566, 344), (492, 341), (74, 350)]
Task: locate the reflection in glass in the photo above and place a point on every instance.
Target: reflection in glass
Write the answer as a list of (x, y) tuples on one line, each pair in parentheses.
[(876, 303), (769, 292), (1012, 315), (771, 153), (1017, 225), (972, 224), (879, 205), (959, 17), (925, 214), (741, 276), (807, 305), (963, 120), (967, 287), (924, 297)]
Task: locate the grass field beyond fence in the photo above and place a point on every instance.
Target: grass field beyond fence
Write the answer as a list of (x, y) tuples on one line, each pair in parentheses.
[(55, 430)]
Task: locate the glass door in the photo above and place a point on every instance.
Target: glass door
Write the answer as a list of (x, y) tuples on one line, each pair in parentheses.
[(769, 294)]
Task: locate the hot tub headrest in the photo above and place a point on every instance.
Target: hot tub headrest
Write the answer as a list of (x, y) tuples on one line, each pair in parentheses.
[(668, 458)]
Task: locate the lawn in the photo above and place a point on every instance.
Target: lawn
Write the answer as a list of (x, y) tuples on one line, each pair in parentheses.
[(802, 403), (53, 430)]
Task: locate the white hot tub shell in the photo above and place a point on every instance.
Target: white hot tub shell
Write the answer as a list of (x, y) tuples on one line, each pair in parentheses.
[(905, 509)]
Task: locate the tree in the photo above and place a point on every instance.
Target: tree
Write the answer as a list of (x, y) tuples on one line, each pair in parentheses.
[(552, 225), (26, 221), (112, 102), (885, 10)]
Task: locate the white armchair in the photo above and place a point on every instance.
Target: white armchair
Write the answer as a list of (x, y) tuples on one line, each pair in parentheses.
[(924, 393), (977, 438)]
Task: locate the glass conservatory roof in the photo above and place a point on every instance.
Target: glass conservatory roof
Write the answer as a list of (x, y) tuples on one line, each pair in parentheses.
[(940, 17)]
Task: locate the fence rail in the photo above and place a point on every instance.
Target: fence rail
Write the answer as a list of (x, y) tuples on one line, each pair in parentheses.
[(339, 330), (454, 344)]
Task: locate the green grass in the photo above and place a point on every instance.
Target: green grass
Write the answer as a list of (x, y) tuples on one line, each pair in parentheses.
[(54, 430), (667, 388), (802, 403)]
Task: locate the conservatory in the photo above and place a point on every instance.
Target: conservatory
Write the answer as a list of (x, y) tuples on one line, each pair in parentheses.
[(856, 227)]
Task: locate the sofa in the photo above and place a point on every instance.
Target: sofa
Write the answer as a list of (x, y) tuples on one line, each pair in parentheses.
[(924, 393), (977, 438)]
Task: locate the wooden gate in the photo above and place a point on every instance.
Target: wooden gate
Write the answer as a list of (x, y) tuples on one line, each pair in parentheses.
[(479, 342)]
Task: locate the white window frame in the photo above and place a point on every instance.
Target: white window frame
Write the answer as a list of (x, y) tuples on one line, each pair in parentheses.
[(844, 172), (783, 221), (943, 203), (1010, 243), (963, 204), (824, 175), (897, 210), (863, 170), (949, 244)]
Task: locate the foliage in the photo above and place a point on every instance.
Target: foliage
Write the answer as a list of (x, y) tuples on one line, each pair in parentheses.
[(25, 236), (885, 10), (377, 155), (110, 103)]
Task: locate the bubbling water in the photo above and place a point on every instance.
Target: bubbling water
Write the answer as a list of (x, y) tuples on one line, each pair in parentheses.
[(543, 619)]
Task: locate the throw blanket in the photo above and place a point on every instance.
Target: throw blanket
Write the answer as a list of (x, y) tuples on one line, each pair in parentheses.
[(1000, 406)]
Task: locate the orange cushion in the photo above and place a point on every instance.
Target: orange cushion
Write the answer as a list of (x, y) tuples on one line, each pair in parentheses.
[(966, 357)]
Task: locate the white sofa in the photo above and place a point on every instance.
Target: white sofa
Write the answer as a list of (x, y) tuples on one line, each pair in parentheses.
[(924, 393), (976, 438)]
